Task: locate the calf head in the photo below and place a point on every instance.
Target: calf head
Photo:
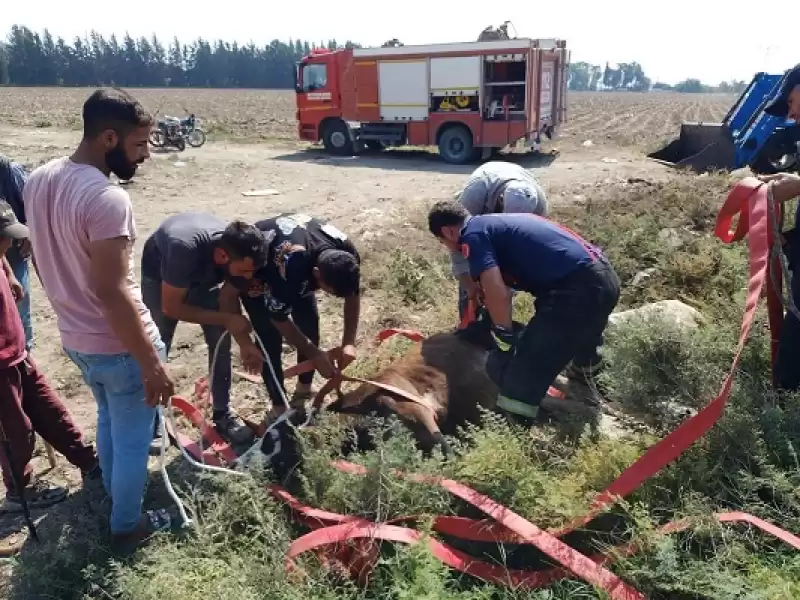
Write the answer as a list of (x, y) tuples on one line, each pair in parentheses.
[(421, 417), (282, 447)]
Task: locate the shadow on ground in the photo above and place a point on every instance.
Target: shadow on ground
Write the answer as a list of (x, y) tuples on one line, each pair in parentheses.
[(72, 559), (412, 160)]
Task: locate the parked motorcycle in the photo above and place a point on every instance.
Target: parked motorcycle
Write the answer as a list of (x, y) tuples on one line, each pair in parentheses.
[(195, 136), (175, 132)]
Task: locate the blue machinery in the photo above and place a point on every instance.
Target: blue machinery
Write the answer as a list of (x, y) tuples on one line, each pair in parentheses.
[(746, 137)]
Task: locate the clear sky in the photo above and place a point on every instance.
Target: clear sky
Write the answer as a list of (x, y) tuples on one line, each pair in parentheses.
[(713, 40)]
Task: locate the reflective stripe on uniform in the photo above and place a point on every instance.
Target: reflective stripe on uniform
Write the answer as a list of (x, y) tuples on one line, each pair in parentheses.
[(522, 409)]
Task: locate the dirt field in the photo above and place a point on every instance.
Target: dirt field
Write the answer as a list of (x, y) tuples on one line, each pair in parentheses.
[(362, 194), (252, 147), (256, 115)]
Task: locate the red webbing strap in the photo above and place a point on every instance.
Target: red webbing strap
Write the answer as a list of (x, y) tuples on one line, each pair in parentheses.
[(748, 199), (353, 541), (741, 202)]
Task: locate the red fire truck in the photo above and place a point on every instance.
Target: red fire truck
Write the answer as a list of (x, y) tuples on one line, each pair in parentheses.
[(465, 98)]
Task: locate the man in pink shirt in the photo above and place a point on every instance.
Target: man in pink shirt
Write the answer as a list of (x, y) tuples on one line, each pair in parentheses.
[(82, 231)]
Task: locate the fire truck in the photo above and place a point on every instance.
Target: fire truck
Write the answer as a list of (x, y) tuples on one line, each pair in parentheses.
[(468, 99)]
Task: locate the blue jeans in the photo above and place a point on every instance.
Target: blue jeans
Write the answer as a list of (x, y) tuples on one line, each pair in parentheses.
[(124, 430), (21, 268)]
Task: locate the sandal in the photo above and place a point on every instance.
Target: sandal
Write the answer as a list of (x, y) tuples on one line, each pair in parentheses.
[(153, 521), (39, 494)]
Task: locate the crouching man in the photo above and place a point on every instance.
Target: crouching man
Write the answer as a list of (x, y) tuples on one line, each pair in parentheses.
[(184, 263), (575, 288), (494, 187), (305, 255)]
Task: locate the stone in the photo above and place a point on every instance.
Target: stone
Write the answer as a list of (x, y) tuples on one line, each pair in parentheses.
[(674, 311)]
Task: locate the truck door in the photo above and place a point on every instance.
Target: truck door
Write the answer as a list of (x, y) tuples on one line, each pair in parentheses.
[(548, 87), (317, 94)]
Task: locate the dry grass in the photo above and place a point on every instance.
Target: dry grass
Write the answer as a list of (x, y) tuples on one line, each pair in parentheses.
[(748, 461), (622, 118)]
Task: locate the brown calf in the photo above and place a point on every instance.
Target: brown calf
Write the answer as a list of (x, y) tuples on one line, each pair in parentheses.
[(446, 372)]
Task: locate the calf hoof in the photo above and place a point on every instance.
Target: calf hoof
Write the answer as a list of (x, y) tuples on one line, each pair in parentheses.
[(441, 443)]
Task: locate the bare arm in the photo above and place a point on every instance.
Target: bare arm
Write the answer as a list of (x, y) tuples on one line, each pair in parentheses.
[(785, 186), (107, 272), (229, 299), (352, 311), (496, 297), (16, 287), (295, 337), (173, 303)]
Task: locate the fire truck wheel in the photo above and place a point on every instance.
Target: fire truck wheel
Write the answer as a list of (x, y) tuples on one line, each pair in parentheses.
[(336, 138), (455, 145)]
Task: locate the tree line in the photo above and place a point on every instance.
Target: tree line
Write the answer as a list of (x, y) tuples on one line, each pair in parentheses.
[(584, 76), (28, 58)]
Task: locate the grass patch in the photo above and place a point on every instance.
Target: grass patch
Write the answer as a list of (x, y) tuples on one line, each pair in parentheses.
[(748, 462)]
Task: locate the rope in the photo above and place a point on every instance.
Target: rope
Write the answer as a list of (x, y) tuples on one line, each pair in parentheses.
[(243, 460)]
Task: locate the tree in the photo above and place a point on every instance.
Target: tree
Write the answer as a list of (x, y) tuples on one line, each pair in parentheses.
[(690, 86), (28, 59)]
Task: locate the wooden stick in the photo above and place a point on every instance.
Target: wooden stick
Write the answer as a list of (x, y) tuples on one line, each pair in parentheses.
[(51, 455)]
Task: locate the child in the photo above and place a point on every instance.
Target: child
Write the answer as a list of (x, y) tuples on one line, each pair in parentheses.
[(28, 405)]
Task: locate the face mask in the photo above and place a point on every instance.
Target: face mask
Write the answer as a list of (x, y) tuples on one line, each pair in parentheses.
[(118, 163), (240, 283)]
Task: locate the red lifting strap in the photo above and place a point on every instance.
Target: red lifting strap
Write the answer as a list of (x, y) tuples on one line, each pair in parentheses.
[(748, 200)]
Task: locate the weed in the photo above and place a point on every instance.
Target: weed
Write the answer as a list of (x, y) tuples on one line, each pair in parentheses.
[(748, 461)]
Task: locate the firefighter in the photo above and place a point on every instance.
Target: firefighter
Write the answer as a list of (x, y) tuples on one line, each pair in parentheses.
[(575, 287), (786, 186), (494, 187)]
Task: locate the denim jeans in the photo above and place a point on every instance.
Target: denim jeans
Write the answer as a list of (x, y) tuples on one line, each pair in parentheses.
[(124, 430), (21, 268)]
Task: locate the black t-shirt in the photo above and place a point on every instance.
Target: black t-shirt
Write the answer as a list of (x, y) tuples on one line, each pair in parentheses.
[(180, 252), (295, 243)]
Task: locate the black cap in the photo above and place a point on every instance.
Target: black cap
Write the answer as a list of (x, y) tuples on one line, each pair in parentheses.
[(779, 107), (9, 225)]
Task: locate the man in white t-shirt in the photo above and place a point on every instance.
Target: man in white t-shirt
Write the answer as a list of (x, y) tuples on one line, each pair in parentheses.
[(82, 232)]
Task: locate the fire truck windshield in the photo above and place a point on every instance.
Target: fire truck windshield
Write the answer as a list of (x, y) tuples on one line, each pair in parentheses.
[(312, 76)]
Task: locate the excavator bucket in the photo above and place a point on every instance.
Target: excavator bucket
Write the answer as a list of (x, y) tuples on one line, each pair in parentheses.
[(701, 147)]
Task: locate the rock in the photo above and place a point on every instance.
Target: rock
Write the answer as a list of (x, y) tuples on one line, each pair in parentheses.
[(674, 311), (671, 238), (643, 276)]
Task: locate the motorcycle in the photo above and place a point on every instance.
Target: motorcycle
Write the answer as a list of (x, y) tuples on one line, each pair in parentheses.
[(172, 131), (194, 136)]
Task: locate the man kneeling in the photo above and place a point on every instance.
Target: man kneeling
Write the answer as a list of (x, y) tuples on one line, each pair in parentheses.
[(575, 287)]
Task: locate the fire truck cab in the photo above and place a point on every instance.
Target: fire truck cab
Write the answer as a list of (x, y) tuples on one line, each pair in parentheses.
[(465, 98)]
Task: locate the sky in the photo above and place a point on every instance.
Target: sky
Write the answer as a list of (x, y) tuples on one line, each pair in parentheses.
[(673, 40)]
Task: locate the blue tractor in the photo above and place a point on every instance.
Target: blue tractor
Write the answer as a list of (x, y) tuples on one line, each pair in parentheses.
[(747, 137)]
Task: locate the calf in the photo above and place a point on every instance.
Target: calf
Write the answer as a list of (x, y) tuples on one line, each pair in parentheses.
[(446, 371)]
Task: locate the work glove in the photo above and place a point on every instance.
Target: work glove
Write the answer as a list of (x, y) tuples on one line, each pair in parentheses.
[(506, 339)]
